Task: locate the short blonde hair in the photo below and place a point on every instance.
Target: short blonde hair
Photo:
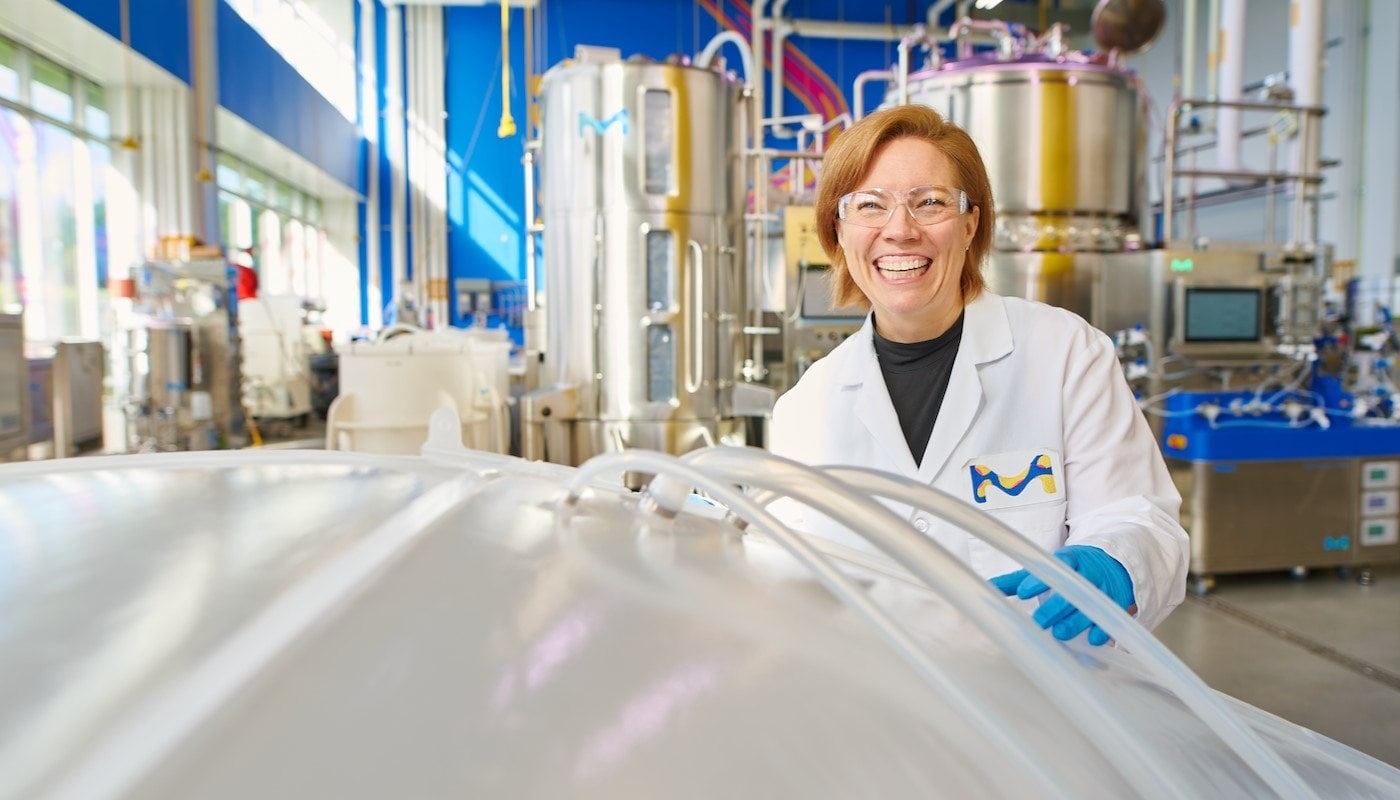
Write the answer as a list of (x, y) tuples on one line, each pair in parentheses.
[(848, 161)]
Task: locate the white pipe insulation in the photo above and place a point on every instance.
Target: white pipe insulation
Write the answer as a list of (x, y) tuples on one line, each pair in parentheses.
[(1305, 74), (1187, 88), (1230, 74)]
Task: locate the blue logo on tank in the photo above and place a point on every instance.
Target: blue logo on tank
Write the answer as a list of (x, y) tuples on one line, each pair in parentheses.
[(586, 121), (1330, 543)]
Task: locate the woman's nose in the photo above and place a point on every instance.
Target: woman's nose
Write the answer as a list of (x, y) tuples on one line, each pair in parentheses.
[(901, 224)]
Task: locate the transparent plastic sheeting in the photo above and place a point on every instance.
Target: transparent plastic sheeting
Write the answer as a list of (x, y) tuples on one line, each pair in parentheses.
[(317, 624)]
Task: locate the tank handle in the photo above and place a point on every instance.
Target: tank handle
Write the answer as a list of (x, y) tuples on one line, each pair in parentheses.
[(695, 370)]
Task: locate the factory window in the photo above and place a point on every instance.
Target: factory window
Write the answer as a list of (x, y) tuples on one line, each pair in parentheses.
[(10, 122), (95, 117), (271, 226), (101, 158), (9, 74), (255, 186), (228, 174), (51, 89), (54, 160), (57, 289)]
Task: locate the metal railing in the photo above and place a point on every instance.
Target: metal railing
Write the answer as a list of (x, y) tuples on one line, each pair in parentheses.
[(1304, 180)]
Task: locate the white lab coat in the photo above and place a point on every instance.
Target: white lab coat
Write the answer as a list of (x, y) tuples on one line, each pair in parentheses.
[(1028, 378)]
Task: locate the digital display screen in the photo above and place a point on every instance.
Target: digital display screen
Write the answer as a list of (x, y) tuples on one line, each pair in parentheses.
[(1223, 315)]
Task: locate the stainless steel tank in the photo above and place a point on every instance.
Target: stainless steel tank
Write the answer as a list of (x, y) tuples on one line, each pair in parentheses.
[(162, 364), (641, 192), (1064, 144)]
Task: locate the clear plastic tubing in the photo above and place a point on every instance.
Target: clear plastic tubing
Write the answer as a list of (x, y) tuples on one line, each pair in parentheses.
[(1041, 658), (1166, 667), (669, 490)]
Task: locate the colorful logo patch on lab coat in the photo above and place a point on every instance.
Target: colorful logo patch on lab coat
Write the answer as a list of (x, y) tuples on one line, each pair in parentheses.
[(1007, 480)]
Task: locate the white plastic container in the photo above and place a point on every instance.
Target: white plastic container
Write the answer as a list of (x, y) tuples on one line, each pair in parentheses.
[(388, 389)]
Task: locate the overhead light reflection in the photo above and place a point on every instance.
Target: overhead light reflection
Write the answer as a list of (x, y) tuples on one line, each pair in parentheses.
[(646, 715)]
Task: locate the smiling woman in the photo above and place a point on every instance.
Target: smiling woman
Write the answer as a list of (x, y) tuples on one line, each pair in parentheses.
[(1017, 407), (908, 266), (917, 139)]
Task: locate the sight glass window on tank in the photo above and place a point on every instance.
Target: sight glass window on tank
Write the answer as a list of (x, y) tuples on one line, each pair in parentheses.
[(661, 364), (658, 137), (661, 270)]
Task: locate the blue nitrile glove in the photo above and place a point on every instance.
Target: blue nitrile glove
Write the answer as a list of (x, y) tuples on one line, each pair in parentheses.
[(1098, 567)]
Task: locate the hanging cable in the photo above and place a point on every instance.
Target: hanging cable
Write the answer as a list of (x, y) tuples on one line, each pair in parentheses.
[(129, 142), (507, 126)]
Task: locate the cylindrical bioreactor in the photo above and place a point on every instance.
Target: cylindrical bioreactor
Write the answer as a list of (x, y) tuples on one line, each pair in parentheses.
[(642, 186), (162, 365), (1064, 143)]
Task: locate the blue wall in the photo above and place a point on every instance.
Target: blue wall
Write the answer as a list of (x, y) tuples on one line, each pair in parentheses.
[(485, 190), (254, 81), (160, 29), (258, 85)]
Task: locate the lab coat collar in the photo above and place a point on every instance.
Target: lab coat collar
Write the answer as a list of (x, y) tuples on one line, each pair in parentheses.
[(986, 337)]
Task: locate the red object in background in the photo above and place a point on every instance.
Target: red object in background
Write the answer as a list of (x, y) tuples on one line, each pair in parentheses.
[(247, 282), (121, 287)]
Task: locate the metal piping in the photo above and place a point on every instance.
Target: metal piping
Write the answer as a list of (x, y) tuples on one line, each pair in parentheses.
[(1305, 76), (532, 229), (1213, 51), (865, 31), (1228, 119), (760, 22), (1188, 50), (779, 69), (918, 34), (707, 55), (962, 31), (858, 89), (935, 11), (758, 178)]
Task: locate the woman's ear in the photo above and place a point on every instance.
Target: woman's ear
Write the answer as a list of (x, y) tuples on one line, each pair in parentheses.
[(972, 220)]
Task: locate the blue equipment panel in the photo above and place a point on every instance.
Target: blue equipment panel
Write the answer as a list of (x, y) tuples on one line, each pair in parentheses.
[(1269, 436)]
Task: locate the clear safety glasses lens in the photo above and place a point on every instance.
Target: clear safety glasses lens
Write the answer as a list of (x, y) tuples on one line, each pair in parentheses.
[(872, 208)]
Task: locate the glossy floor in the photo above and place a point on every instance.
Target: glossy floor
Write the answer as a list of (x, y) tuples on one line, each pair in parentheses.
[(1322, 651)]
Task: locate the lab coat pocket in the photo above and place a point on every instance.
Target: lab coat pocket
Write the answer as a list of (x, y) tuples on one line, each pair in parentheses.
[(1042, 524)]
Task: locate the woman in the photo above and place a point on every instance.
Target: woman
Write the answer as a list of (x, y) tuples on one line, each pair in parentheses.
[(1017, 407)]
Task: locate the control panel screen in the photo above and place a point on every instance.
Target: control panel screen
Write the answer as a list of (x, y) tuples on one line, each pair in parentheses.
[(1214, 314)]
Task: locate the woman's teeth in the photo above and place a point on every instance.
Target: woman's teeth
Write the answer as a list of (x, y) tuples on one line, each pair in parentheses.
[(901, 265)]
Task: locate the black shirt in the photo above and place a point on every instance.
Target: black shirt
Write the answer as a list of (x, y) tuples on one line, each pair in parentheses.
[(916, 375)]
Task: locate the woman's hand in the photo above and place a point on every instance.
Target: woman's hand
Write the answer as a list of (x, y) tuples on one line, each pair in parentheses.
[(1064, 620)]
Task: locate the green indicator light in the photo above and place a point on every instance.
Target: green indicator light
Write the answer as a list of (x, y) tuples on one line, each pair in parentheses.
[(1377, 474), (1183, 265)]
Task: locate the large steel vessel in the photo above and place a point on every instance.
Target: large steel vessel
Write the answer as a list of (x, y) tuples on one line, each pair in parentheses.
[(642, 186), (1064, 143), (1063, 134)]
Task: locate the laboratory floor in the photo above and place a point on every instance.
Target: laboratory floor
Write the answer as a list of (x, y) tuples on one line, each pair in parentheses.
[(1322, 651)]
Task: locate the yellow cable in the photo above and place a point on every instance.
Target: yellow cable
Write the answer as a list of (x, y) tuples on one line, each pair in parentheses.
[(507, 127)]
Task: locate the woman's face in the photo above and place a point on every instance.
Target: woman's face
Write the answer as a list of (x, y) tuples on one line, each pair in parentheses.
[(910, 272)]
